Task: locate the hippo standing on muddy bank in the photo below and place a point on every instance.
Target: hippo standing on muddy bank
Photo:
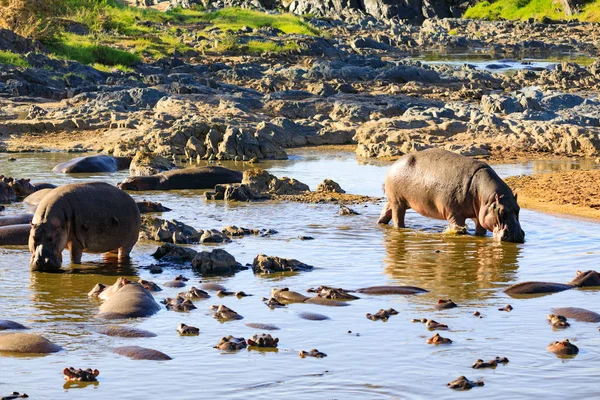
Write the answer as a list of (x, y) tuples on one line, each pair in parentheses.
[(188, 178), (99, 163), (92, 217), (440, 184)]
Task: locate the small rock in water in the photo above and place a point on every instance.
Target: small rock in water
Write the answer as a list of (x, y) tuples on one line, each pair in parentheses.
[(312, 353), (329, 186)]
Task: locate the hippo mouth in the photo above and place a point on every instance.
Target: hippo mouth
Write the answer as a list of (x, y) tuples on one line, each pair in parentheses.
[(43, 260), (505, 234)]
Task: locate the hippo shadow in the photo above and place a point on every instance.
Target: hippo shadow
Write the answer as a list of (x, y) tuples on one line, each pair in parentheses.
[(459, 266)]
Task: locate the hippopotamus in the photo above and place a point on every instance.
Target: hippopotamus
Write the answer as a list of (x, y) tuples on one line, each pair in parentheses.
[(99, 163), (104, 292), (6, 324), (187, 330), (382, 314), (24, 187), (224, 313), (26, 343), (383, 290), (578, 314), (93, 217), (440, 184), (15, 235), (130, 301), (312, 353), (125, 332), (462, 383), (188, 178), (141, 353), (35, 198), (80, 375), (16, 219), (263, 340), (583, 279), (490, 364), (563, 348), (230, 343), (437, 339), (265, 327)]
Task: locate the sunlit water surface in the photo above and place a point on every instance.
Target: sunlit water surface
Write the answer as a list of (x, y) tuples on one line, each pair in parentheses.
[(387, 360)]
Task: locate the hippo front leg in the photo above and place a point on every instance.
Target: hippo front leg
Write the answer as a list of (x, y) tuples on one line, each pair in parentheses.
[(457, 224), (124, 254), (398, 214), (479, 230)]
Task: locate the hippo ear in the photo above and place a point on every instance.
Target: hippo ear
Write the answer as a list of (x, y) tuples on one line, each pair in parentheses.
[(96, 372), (516, 196)]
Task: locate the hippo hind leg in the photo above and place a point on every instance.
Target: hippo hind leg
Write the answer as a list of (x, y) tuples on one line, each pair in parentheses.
[(398, 214), (386, 214), (76, 252)]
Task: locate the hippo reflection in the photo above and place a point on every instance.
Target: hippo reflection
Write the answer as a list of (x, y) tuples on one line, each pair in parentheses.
[(455, 266)]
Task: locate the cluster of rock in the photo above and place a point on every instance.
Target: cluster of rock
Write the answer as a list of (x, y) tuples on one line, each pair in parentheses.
[(173, 231)]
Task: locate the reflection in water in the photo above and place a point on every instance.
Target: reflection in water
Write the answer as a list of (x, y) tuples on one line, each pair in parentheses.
[(567, 164), (457, 266)]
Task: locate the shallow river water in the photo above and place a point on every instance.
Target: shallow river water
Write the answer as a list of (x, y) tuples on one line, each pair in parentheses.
[(386, 360)]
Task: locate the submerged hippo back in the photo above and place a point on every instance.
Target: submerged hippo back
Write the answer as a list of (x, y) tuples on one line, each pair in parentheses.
[(130, 301), (199, 178), (100, 163)]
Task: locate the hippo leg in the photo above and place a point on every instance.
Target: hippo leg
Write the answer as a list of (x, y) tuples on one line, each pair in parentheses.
[(457, 224), (479, 230), (124, 253), (386, 214), (76, 253), (398, 213)]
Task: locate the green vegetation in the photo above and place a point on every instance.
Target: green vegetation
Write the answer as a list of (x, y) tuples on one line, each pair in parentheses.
[(515, 9), (236, 18), (121, 36), (7, 57)]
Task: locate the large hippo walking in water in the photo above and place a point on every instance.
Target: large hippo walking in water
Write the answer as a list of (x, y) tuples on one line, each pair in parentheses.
[(99, 163), (188, 178), (440, 184), (93, 217)]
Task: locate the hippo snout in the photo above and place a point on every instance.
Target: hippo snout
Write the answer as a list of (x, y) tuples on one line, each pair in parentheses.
[(505, 234), (44, 260)]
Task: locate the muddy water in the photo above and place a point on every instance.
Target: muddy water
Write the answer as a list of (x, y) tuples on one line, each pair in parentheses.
[(387, 360)]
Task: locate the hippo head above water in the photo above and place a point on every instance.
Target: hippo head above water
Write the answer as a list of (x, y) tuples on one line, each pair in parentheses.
[(22, 187), (46, 243), (501, 216), (138, 183)]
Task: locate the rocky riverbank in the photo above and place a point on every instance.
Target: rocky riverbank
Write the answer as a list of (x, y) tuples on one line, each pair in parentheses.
[(354, 83)]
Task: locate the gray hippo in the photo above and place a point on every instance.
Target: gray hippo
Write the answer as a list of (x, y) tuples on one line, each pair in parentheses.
[(92, 217), (24, 187), (440, 184), (35, 198), (99, 163), (188, 178), (129, 301), (16, 219), (15, 235)]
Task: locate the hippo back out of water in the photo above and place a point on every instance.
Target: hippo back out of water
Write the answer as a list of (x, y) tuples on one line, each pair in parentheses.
[(99, 163), (93, 217), (188, 178), (440, 184)]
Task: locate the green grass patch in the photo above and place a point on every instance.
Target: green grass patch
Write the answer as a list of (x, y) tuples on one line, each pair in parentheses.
[(85, 50), (257, 46), (515, 10), (10, 58), (236, 18)]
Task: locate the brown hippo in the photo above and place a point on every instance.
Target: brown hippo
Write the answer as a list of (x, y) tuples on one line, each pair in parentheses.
[(26, 343), (80, 375), (462, 383), (440, 184), (92, 217), (24, 187), (188, 178), (99, 163), (141, 353), (35, 198), (563, 348), (14, 235)]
